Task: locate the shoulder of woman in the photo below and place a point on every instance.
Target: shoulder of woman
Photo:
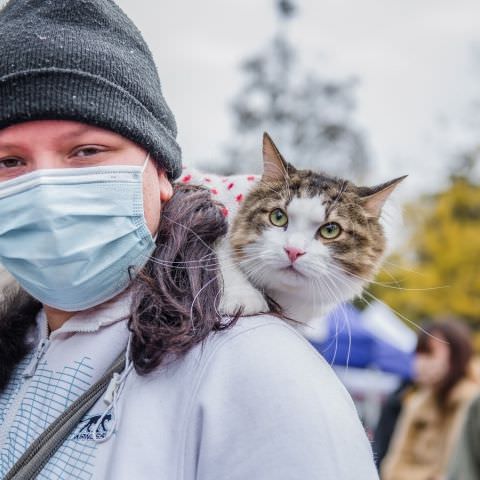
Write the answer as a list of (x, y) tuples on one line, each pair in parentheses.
[(266, 342), (263, 361), (268, 395)]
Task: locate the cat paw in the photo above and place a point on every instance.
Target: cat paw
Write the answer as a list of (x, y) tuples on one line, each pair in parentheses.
[(251, 302)]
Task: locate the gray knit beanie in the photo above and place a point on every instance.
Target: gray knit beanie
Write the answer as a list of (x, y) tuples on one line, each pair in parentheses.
[(83, 60)]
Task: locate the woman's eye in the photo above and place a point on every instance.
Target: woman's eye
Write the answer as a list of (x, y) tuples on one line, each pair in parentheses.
[(11, 163), (87, 151), (278, 217), (329, 231)]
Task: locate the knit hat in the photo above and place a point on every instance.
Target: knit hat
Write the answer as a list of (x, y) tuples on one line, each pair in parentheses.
[(84, 60)]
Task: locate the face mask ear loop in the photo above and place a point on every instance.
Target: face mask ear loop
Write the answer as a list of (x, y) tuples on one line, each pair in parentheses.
[(145, 163)]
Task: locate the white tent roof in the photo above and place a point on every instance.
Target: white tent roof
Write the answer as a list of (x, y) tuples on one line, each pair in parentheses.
[(383, 323)]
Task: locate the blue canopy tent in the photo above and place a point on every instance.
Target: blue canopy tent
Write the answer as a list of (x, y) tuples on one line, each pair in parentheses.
[(352, 342)]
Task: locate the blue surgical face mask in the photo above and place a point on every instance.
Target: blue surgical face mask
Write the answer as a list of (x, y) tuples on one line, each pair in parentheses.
[(74, 237)]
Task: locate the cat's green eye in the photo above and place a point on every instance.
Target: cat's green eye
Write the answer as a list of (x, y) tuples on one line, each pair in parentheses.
[(331, 230), (278, 217)]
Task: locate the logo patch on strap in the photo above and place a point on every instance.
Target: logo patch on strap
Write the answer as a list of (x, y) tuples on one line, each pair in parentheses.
[(88, 427)]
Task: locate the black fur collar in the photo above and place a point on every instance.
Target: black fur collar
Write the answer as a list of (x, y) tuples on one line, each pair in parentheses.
[(18, 311)]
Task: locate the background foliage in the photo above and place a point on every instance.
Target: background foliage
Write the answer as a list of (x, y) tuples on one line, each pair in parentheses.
[(439, 268)]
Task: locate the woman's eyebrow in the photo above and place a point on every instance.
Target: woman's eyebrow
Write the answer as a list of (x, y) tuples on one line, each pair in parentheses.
[(80, 130), (9, 146)]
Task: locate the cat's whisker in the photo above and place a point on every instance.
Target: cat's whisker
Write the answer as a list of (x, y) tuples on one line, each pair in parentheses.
[(190, 230), (179, 265), (395, 281), (252, 273), (211, 262), (347, 323), (368, 303), (245, 260), (185, 262), (333, 300), (403, 317), (338, 300), (256, 252), (214, 279), (216, 302), (316, 308), (401, 267), (387, 285)]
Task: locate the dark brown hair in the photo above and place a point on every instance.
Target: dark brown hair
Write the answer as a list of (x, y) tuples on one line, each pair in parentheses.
[(17, 315), (457, 336), (176, 296)]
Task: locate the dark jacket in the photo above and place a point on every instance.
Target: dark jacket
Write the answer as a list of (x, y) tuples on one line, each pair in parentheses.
[(465, 464)]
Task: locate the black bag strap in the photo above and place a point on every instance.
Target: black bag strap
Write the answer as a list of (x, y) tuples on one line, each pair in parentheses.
[(30, 464)]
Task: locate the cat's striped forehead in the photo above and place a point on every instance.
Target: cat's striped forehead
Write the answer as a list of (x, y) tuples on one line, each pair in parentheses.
[(309, 184), (330, 194), (309, 200)]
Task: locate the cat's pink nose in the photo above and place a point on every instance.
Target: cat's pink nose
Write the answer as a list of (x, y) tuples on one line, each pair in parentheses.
[(293, 253)]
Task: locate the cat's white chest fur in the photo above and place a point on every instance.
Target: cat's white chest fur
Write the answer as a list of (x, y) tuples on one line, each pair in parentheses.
[(238, 291)]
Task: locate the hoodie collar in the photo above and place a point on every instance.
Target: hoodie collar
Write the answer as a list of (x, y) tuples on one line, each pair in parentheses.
[(91, 320)]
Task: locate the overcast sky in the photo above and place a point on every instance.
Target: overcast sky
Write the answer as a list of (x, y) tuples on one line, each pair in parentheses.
[(414, 60)]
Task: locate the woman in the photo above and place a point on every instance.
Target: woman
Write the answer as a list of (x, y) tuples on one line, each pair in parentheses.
[(432, 415), (113, 261)]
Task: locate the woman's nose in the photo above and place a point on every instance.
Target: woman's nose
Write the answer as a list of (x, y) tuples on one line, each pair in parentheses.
[(45, 160)]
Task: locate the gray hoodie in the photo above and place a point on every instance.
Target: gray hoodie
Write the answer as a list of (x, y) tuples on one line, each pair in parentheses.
[(254, 402)]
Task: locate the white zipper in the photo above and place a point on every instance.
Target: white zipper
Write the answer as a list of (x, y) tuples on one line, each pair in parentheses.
[(27, 375), (32, 366)]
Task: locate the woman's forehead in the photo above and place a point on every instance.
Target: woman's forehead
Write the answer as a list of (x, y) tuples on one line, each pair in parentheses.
[(54, 130)]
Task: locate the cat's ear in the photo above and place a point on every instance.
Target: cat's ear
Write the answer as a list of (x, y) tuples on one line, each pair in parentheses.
[(275, 167), (374, 198)]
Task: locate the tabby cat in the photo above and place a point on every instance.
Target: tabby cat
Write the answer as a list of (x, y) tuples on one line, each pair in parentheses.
[(303, 239)]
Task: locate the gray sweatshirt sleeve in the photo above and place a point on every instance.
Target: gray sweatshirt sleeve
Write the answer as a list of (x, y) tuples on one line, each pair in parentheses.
[(270, 408)]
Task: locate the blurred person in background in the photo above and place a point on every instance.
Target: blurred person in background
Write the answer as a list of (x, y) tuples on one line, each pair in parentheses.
[(390, 411), (433, 412)]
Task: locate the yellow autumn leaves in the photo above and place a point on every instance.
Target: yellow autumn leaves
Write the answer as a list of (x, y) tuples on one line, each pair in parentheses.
[(439, 269)]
